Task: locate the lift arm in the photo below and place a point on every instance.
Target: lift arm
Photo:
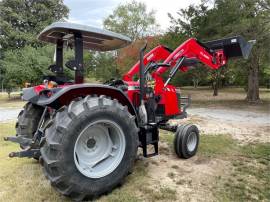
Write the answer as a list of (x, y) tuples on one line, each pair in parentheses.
[(213, 54), (158, 53), (191, 49)]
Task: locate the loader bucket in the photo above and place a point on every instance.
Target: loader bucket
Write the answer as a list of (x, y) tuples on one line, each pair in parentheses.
[(233, 47)]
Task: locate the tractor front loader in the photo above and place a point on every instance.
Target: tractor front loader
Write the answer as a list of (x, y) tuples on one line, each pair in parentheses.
[(86, 136)]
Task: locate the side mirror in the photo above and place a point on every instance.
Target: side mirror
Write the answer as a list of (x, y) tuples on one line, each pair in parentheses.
[(55, 69), (72, 65)]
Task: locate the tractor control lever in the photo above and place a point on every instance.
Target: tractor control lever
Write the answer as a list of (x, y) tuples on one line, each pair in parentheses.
[(154, 65), (72, 65), (174, 70)]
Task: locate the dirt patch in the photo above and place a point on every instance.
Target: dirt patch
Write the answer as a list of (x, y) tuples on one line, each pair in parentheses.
[(222, 170), (191, 179)]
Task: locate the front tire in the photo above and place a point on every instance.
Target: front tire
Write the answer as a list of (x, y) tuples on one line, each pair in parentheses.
[(186, 141), (90, 147)]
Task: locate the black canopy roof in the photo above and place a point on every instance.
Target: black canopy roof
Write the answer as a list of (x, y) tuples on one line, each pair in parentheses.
[(93, 38)]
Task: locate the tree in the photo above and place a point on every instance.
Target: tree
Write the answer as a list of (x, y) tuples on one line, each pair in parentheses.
[(27, 64), (31, 66), (22, 20), (197, 75), (249, 18), (10, 85), (192, 22), (267, 76), (131, 19), (128, 56), (103, 66)]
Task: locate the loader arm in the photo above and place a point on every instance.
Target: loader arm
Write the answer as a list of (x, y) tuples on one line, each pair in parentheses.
[(213, 54), (157, 54), (194, 51)]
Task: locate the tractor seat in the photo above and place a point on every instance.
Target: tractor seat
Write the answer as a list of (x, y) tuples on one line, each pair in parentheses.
[(117, 83), (60, 80)]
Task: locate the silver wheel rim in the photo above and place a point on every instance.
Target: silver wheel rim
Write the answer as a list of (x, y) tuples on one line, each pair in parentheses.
[(99, 149), (192, 141)]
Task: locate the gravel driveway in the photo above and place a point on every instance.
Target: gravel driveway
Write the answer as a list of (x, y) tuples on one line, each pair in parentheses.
[(7, 114), (245, 126), (232, 115)]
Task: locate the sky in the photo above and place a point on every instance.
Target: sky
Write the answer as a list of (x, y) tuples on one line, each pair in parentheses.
[(93, 12)]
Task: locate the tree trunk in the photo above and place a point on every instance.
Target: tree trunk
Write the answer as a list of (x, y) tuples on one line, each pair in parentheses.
[(253, 81), (195, 82), (215, 83), (215, 88)]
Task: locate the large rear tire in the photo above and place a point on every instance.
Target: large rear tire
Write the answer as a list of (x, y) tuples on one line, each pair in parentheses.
[(28, 120), (90, 147)]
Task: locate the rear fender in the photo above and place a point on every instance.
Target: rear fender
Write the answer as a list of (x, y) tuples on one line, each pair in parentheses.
[(65, 95)]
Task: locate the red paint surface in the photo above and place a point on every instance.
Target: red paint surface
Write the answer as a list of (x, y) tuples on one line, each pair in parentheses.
[(189, 49)]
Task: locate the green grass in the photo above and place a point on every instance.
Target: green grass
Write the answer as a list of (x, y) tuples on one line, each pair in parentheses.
[(21, 179), (257, 151), (210, 145), (167, 137), (129, 192), (164, 193), (217, 145), (159, 193), (249, 178), (254, 164)]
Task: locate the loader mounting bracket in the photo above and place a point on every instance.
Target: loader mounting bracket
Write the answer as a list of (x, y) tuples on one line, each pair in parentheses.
[(149, 135)]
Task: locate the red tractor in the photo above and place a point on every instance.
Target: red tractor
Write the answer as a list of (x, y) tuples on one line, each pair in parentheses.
[(86, 136)]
